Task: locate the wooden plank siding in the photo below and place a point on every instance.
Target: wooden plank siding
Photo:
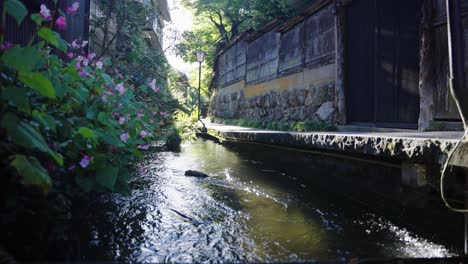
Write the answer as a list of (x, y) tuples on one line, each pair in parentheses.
[(445, 108), (77, 23), (319, 39)]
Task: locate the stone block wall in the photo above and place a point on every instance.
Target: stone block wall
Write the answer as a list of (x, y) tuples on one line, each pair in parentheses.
[(314, 103), (288, 73)]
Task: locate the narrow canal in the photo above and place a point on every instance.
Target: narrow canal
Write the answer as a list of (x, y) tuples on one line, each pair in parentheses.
[(265, 204)]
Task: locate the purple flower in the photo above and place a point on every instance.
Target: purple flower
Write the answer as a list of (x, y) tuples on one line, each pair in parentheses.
[(72, 9), (82, 73), (74, 44), (61, 22), (51, 167), (152, 85), (144, 147), (72, 168), (120, 88), (85, 161), (6, 46), (84, 43), (140, 114), (99, 64), (70, 55), (124, 137), (122, 120), (45, 12), (91, 56), (143, 134)]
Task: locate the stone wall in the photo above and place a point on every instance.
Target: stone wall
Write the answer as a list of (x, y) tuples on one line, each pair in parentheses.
[(280, 73), (314, 103)]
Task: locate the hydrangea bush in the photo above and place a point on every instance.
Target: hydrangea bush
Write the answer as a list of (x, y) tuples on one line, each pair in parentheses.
[(76, 122)]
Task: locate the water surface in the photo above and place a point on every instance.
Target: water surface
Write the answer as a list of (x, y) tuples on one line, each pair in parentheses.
[(265, 204)]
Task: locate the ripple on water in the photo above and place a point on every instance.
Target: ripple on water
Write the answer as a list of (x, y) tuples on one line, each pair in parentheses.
[(238, 214)]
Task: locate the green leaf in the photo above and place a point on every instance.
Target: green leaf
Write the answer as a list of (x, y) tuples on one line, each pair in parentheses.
[(45, 120), (109, 139), (15, 95), (53, 38), (86, 183), (27, 136), (32, 172), (107, 177), (22, 59), (39, 83), (37, 19), (16, 9), (87, 133)]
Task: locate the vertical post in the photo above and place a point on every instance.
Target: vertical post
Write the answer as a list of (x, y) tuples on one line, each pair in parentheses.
[(199, 85), (456, 59)]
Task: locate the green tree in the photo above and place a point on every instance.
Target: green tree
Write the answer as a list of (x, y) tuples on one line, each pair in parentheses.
[(220, 21)]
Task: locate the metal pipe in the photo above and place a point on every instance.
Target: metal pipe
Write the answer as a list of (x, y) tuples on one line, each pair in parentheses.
[(456, 48)]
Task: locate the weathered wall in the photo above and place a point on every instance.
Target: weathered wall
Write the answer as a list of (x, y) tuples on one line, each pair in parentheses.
[(287, 75)]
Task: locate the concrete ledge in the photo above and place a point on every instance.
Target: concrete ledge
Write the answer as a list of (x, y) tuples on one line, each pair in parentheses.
[(418, 147)]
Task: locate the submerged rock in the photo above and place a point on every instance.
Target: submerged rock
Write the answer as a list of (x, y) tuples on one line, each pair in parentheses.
[(196, 174)]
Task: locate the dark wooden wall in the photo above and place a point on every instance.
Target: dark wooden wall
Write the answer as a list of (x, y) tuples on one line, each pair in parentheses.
[(262, 57), (77, 24), (445, 108), (309, 43)]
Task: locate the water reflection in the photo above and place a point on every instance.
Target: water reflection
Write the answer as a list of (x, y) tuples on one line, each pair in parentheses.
[(263, 204)]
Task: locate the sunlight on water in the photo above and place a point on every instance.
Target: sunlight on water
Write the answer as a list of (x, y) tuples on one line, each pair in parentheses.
[(251, 208)]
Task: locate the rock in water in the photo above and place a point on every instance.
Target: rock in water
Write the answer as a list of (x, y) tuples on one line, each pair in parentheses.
[(195, 174)]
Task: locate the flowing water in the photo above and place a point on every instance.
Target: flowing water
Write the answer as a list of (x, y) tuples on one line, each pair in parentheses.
[(265, 204)]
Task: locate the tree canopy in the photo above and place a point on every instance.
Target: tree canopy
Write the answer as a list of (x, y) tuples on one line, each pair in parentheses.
[(217, 22)]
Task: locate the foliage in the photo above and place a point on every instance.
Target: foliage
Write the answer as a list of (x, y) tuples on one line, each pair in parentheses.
[(71, 121), (187, 124), (302, 126), (220, 21)]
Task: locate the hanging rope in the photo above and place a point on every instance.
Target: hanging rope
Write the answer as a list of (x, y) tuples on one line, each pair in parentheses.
[(442, 177)]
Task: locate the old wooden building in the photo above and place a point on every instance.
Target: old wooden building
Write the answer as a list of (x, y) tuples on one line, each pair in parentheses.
[(376, 63)]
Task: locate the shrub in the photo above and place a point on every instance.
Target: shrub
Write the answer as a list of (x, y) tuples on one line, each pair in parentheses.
[(77, 122)]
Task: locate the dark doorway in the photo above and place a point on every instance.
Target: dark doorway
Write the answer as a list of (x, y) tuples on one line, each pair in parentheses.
[(382, 57)]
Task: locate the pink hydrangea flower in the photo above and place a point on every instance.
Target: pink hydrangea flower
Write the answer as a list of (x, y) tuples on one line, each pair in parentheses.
[(45, 12), (99, 64), (6, 46), (120, 88), (85, 62), (51, 167), (85, 161), (77, 65), (144, 147), (61, 22), (152, 85), (91, 56), (143, 134), (74, 44), (82, 73), (122, 120), (70, 55), (124, 137), (72, 9)]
